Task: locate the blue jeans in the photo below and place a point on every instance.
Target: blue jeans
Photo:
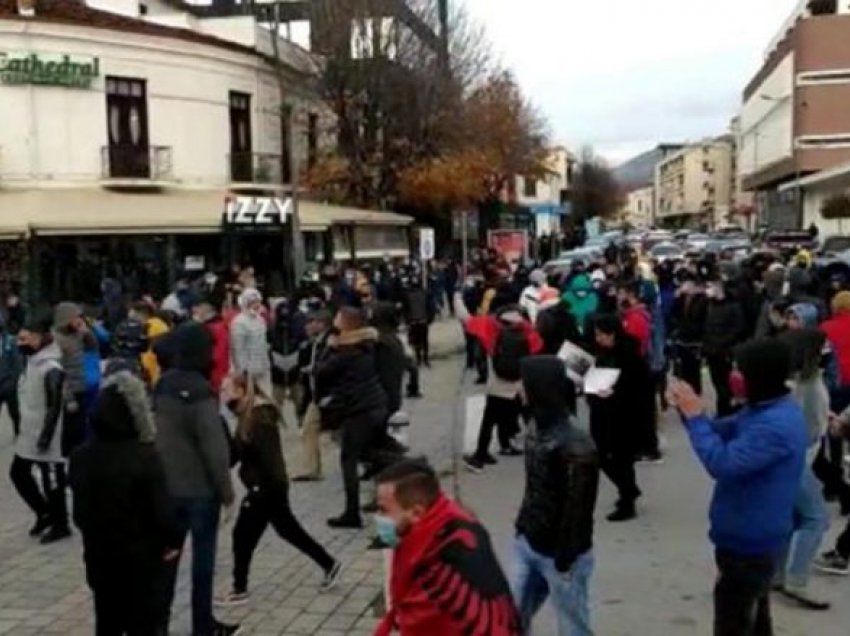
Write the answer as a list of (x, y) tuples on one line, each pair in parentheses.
[(199, 517), (811, 522), (536, 578)]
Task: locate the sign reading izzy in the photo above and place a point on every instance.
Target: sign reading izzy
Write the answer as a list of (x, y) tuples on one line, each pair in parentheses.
[(49, 70)]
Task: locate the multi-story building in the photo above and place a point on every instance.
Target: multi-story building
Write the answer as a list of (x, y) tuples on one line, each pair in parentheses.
[(127, 130), (636, 177), (639, 208), (547, 197), (693, 188), (794, 119)]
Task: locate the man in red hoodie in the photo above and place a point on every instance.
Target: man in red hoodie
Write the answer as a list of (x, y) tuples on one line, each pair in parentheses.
[(445, 578), (207, 314), (636, 319)]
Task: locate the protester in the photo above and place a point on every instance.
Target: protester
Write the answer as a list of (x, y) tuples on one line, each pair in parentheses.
[(262, 470), (74, 339), (207, 314), (440, 554), (837, 560), (618, 416), (194, 449), (419, 312), (553, 548), (724, 325), (473, 298), (349, 392), (122, 509), (39, 442), (530, 297), (756, 458), (11, 364), (556, 324), (318, 327), (249, 346), (583, 301), (637, 321), (154, 329), (507, 338)]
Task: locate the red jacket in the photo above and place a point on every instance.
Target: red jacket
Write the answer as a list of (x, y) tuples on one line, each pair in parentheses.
[(837, 330), (220, 333), (447, 556), (638, 324), (487, 329)]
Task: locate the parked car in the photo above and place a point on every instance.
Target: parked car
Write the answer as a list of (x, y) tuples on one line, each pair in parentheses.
[(696, 242), (789, 242), (834, 245), (668, 251), (654, 237)]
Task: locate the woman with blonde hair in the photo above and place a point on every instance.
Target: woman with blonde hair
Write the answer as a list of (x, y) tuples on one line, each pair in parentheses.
[(262, 470)]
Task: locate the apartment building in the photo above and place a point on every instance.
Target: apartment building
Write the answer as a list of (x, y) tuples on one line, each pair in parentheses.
[(794, 118), (694, 187), (639, 208), (546, 197)]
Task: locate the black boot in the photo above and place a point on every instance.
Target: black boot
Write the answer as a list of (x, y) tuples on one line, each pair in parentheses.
[(41, 525), (625, 511)]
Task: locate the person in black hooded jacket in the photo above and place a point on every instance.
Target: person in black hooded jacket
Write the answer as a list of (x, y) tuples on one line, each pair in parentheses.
[(122, 509), (555, 523)]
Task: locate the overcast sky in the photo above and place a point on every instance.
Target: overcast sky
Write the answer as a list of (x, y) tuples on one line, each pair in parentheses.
[(623, 75)]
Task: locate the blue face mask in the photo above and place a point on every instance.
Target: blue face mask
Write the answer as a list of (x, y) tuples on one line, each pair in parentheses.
[(386, 530)]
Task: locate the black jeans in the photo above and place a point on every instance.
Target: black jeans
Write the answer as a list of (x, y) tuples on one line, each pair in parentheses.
[(257, 511), (720, 366), (199, 517), (125, 598), (418, 338), (616, 460), (74, 425), (742, 595), (502, 414), (49, 499), (688, 365), (11, 402), (360, 435), (842, 546)]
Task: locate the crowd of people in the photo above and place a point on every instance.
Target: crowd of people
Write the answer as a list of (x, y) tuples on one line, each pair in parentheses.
[(142, 409)]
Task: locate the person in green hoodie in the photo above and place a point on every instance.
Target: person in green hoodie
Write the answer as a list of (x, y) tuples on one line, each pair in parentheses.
[(582, 298)]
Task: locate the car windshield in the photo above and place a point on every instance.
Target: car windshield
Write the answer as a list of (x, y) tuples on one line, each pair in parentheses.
[(698, 237), (836, 244), (665, 250)]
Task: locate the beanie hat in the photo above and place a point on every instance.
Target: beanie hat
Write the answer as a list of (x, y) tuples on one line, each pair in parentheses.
[(248, 297), (538, 277), (841, 302), (65, 313), (765, 364), (39, 321)]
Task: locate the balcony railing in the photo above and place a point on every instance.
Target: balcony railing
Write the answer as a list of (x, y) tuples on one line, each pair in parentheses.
[(135, 163), (256, 168)]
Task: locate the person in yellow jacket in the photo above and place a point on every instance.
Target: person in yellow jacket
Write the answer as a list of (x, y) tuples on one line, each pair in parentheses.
[(155, 328)]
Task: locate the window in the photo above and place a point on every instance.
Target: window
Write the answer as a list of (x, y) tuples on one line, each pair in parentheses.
[(312, 140), (241, 157), (127, 127), (530, 187), (285, 143)]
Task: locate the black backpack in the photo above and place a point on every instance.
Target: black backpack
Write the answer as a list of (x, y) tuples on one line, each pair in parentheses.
[(511, 347)]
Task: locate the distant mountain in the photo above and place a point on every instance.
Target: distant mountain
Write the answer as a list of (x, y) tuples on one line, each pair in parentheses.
[(639, 171)]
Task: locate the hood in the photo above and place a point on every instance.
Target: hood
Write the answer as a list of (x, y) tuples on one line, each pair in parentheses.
[(807, 347), (50, 352), (248, 297), (580, 282), (807, 314), (355, 337), (766, 366), (546, 385), (187, 348), (537, 277), (122, 410), (774, 281), (385, 317)]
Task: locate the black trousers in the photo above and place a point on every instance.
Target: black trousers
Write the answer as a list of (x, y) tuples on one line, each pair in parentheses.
[(842, 546), (503, 415), (359, 435), (74, 425), (418, 337), (125, 598), (719, 367), (49, 498), (742, 595), (11, 402), (617, 461), (257, 511), (688, 365)]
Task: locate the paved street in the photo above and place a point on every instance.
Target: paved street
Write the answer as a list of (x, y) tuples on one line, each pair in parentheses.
[(654, 576)]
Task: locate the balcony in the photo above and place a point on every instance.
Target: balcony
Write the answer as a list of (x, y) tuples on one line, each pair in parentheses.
[(136, 166), (256, 171)]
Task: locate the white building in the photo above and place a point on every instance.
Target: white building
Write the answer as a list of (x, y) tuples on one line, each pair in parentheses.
[(639, 209), (545, 197), (140, 121)]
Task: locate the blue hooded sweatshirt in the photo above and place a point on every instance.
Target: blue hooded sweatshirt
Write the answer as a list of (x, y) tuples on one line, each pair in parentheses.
[(756, 457)]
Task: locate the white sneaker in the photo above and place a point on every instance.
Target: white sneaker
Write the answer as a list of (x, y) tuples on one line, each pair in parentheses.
[(232, 599)]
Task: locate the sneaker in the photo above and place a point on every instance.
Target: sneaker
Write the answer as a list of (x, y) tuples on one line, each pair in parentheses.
[(833, 563), (232, 599), (303, 479), (346, 522), (510, 451), (56, 533), (623, 513), (331, 577), (802, 597), (473, 464), (411, 395), (489, 460), (223, 629), (651, 458), (41, 525)]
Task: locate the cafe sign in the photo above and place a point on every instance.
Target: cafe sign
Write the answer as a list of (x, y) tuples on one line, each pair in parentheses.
[(48, 70)]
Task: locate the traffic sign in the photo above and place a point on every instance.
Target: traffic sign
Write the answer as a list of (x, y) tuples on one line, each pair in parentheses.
[(427, 247)]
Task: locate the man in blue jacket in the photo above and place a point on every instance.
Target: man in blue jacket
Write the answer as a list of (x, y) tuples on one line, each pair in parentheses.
[(756, 458)]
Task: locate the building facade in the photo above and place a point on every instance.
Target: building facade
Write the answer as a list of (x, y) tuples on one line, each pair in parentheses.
[(133, 127), (794, 120), (639, 208), (547, 197), (694, 187)]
